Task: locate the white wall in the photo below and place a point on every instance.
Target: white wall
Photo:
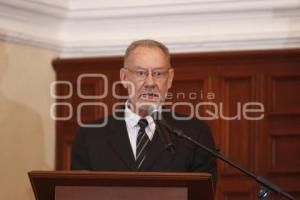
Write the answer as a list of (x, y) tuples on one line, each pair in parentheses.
[(26, 129)]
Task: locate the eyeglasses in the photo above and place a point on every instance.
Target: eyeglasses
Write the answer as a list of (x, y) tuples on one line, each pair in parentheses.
[(142, 74)]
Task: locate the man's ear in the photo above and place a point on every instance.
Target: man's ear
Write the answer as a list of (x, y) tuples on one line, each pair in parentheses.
[(123, 77), (170, 78)]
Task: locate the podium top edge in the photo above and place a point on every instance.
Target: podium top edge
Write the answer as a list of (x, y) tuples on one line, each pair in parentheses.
[(119, 174)]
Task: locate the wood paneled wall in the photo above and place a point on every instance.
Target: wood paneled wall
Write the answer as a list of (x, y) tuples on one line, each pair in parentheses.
[(269, 147)]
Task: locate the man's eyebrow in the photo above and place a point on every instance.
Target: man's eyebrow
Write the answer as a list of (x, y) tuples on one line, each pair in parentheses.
[(140, 68), (156, 68)]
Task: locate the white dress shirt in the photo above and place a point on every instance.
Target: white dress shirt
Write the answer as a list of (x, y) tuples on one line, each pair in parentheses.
[(133, 128)]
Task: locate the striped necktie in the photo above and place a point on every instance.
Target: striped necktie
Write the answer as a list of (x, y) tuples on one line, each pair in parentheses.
[(142, 143)]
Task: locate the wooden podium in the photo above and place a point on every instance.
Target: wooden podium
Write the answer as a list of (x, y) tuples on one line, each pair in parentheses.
[(83, 185)]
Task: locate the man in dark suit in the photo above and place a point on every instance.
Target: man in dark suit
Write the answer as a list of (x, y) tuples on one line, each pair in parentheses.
[(133, 143)]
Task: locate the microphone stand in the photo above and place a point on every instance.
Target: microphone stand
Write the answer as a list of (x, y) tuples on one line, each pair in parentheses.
[(169, 145), (266, 187), (162, 130)]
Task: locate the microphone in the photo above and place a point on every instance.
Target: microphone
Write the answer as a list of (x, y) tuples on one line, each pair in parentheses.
[(266, 186), (162, 130)]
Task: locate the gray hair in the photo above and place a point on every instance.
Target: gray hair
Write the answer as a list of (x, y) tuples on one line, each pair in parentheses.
[(145, 43)]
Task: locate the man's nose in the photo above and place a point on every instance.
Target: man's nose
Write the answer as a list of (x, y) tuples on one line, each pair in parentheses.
[(149, 81)]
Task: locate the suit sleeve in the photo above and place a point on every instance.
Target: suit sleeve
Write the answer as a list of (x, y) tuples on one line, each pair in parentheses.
[(202, 160), (80, 159)]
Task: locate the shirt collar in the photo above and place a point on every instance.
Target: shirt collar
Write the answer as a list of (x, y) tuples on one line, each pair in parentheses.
[(132, 118)]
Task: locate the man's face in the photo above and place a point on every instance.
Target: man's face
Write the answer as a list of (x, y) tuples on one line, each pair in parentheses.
[(150, 76)]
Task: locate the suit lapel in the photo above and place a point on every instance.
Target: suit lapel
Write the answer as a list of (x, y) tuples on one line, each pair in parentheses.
[(155, 150), (121, 145), (120, 142)]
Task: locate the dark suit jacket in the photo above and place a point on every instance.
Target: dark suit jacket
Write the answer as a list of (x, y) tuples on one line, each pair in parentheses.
[(108, 149)]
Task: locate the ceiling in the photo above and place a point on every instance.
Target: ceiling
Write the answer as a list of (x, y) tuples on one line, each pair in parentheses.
[(97, 27)]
